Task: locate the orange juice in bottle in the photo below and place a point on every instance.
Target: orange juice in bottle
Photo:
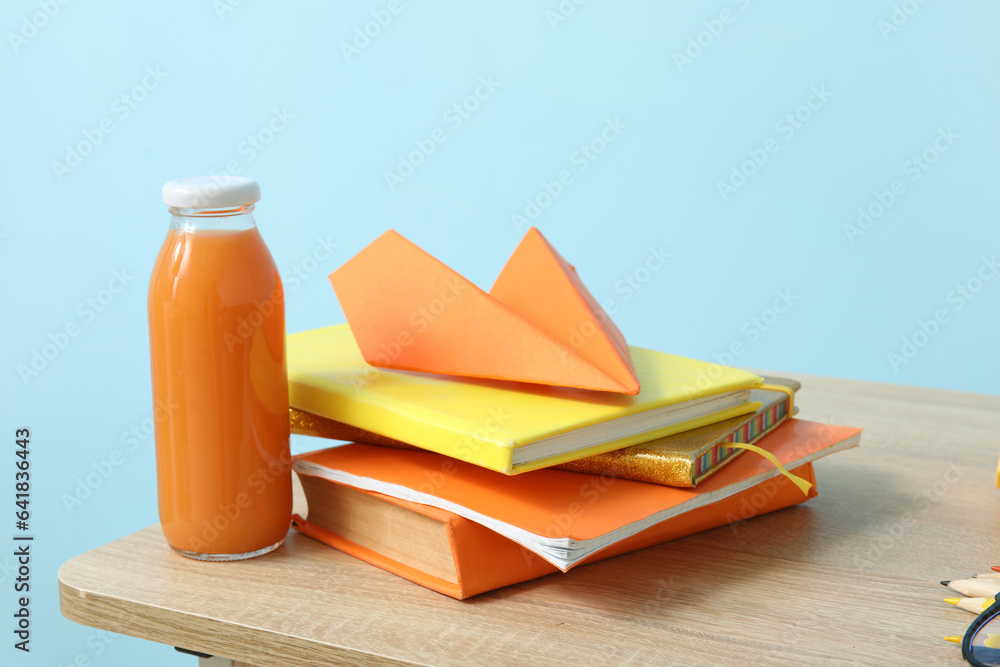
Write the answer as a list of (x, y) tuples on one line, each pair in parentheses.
[(217, 349)]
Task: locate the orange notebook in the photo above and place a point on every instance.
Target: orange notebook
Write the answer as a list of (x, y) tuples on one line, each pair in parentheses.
[(482, 560), (564, 517)]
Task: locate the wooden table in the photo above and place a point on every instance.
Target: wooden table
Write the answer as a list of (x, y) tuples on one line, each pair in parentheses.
[(849, 578)]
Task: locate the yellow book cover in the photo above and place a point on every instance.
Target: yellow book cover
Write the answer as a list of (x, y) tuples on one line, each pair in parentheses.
[(509, 427)]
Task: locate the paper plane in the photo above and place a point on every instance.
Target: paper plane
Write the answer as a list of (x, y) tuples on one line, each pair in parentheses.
[(409, 311)]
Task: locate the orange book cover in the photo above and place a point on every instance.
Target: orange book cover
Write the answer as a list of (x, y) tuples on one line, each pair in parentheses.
[(485, 560), (562, 516)]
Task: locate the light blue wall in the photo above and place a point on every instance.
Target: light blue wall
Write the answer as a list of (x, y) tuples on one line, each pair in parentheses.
[(887, 80)]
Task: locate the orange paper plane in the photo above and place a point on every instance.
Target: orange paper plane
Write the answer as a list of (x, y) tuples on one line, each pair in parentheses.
[(539, 324)]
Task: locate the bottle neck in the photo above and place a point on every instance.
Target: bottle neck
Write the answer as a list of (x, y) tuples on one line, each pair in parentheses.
[(238, 218)]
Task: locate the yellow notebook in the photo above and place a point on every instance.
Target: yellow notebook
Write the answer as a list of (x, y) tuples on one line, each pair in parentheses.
[(506, 426)]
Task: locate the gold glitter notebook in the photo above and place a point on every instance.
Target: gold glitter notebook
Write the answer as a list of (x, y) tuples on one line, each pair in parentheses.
[(683, 459)]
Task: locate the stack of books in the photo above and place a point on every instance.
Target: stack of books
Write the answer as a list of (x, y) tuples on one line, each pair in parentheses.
[(466, 484)]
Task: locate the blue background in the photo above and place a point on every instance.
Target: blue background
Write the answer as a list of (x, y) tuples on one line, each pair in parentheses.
[(694, 90)]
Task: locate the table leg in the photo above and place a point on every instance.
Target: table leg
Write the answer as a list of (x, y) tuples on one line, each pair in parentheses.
[(216, 661)]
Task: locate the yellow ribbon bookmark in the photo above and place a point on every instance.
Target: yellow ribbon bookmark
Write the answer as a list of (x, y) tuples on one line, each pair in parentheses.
[(788, 391), (803, 485)]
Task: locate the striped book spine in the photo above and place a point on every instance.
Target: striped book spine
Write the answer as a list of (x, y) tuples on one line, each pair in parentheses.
[(760, 424)]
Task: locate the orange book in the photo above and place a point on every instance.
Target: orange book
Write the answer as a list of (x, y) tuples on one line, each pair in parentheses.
[(565, 518), (466, 558)]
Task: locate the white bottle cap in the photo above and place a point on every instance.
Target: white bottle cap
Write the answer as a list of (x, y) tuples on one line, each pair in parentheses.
[(211, 192)]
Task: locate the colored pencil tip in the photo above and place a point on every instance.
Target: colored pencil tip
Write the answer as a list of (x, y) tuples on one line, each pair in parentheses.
[(954, 640), (945, 583), (953, 600)]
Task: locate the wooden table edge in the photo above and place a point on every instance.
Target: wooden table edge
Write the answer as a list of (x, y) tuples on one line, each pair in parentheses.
[(214, 637)]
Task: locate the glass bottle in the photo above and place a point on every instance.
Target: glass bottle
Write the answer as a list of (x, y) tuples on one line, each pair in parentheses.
[(217, 350)]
